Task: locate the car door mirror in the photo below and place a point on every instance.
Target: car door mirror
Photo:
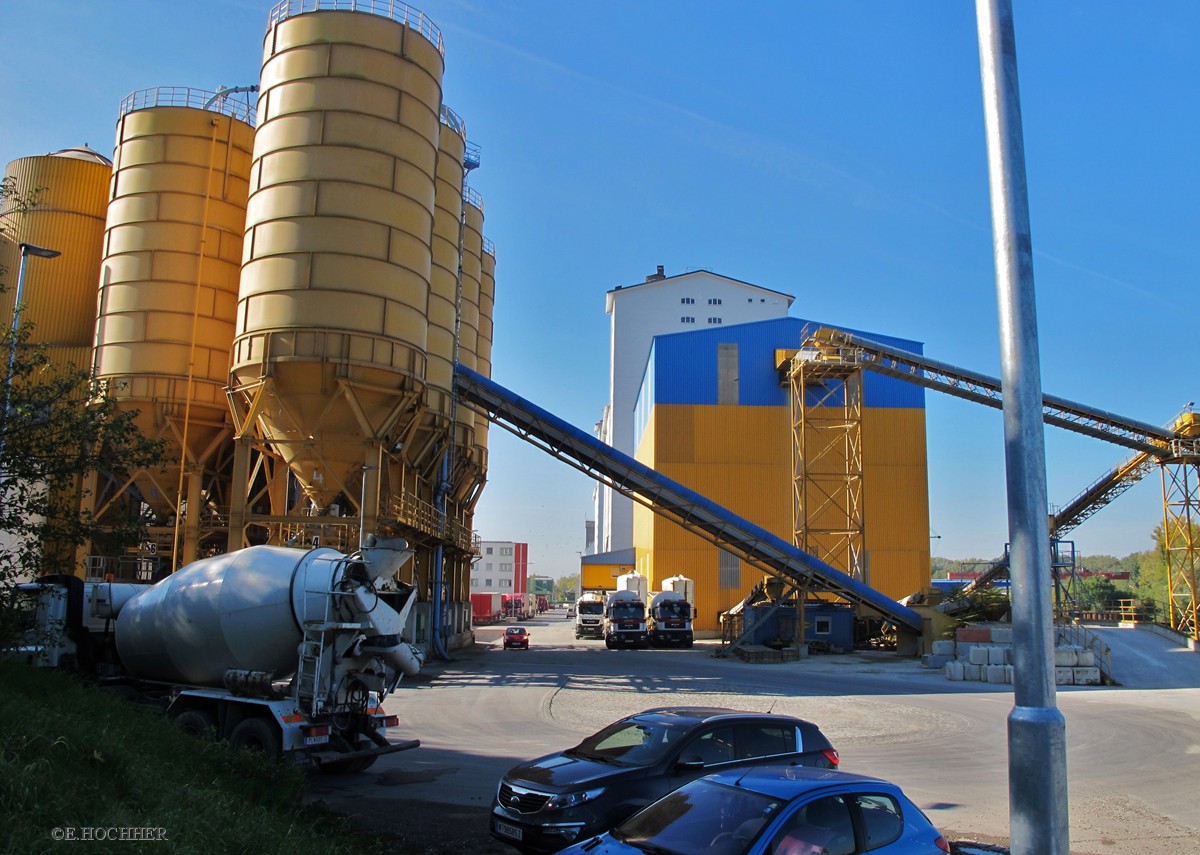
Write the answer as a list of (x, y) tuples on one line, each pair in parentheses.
[(689, 764)]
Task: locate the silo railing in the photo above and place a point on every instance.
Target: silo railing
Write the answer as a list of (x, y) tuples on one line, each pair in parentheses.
[(187, 96), (400, 12)]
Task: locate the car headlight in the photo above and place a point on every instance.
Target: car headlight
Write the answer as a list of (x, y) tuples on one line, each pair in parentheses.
[(570, 800)]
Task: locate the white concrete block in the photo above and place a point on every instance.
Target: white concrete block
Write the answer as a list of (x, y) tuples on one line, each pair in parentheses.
[(1008, 674), (972, 672), (1065, 657), (1064, 677), (995, 674), (997, 656), (978, 655), (1086, 659), (1002, 635), (1086, 676), (954, 671), (943, 647)]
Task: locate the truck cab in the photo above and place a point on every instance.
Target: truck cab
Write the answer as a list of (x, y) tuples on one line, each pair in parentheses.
[(589, 616), (669, 622)]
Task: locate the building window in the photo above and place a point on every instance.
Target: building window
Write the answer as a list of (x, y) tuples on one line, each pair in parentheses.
[(687, 301), (505, 568), (487, 550), (506, 550), (714, 320), (474, 583), (687, 319), (487, 582), (506, 583), (714, 301), (823, 626)]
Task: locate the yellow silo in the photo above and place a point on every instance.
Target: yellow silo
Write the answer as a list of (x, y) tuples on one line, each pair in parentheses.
[(444, 281), (479, 338), (329, 362), (68, 217), (169, 274)]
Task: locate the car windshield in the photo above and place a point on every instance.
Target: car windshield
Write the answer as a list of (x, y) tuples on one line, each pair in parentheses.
[(701, 817), (631, 742), (675, 609), (516, 630), (625, 611)]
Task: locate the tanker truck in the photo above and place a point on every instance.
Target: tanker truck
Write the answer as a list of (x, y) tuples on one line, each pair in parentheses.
[(625, 620), (284, 650), (589, 615), (669, 621)]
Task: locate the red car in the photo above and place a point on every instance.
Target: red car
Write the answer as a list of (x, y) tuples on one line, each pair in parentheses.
[(516, 636)]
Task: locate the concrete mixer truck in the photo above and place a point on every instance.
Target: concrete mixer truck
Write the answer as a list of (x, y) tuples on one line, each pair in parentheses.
[(288, 651)]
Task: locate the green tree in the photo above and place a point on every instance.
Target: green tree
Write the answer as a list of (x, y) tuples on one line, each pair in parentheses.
[(55, 427), (564, 588)]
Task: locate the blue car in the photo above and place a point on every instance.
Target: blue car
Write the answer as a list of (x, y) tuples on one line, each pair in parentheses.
[(775, 810)]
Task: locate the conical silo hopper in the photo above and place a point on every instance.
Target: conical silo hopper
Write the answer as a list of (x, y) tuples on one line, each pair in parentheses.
[(68, 217), (169, 274), (329, 361)]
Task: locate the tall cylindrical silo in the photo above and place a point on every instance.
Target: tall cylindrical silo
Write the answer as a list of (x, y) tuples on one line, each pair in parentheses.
[(444, 282), (333, 322), (169, 274), (473, 290), (68, 217)]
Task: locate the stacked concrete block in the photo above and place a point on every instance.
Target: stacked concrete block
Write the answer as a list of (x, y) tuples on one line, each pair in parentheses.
[(984, 653)]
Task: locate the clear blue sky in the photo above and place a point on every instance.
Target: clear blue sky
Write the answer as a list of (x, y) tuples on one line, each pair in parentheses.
[(830, 149)]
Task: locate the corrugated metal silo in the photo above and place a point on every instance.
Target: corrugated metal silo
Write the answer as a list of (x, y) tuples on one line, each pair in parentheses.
[(333, 310), (59, 294), (472, 335), (444, 282), (169, 273)]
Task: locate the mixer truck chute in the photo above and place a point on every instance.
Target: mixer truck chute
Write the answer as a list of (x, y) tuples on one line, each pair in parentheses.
[(285, 650)]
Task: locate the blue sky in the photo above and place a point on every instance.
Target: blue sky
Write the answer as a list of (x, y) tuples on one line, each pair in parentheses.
[(833, 150)]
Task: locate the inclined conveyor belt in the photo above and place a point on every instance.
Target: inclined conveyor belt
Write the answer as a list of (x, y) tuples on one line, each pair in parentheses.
[(668, 498)]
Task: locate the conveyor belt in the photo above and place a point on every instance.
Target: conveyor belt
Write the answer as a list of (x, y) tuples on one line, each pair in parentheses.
[(668, 498)]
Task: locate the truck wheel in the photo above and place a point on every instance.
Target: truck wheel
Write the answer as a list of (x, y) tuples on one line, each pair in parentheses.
[(257, 734), (609, 643), (198, 723)]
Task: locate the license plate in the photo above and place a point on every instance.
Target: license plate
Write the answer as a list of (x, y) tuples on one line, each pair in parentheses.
[(510, 831), (316, 740)]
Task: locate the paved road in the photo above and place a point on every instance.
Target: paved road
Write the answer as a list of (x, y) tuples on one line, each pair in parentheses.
[(1133, 751)]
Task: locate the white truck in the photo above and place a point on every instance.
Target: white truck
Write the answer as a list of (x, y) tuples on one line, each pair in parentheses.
[(625, 620), (288, 651), (669, 620), (589, 616)]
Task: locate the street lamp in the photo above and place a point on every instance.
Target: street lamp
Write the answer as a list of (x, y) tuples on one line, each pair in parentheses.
[(27, 249)]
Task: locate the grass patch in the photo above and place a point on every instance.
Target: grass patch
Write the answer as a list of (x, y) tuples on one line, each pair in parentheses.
[(73, 757)]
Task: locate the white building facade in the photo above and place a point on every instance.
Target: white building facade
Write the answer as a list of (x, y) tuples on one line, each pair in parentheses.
[(503, 566), (637, 313)]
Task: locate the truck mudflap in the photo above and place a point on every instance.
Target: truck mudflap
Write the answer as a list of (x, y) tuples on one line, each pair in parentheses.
[(331, 756)]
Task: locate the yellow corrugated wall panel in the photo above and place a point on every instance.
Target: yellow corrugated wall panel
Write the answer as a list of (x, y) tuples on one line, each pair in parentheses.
[(740, 457)]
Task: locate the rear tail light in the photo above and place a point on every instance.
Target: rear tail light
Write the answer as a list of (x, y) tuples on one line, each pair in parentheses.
[(832, 756), (315, 729), (391, 721), (941, 843)]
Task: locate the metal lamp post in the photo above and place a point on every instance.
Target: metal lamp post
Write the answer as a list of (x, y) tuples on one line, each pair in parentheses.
[(27, 249)]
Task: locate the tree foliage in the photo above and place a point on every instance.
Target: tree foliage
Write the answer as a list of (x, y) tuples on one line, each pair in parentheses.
[(56, 426)]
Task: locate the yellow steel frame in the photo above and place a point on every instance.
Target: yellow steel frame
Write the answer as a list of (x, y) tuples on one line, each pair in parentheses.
[(827, 461), (1181, 482)]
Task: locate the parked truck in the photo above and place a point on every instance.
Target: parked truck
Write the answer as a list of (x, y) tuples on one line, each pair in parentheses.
[(625, 620), (486, 608), (589, 615), (288, 651), (669, 620)]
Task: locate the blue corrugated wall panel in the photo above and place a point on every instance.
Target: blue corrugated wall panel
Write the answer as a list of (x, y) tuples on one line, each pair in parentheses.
[(683, 366)]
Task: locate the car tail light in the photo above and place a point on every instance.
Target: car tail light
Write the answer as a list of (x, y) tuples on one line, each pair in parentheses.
[(941, 843), (832, 756)]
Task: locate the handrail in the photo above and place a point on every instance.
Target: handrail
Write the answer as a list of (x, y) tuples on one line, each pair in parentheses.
[(187, 96), (400, 12)]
